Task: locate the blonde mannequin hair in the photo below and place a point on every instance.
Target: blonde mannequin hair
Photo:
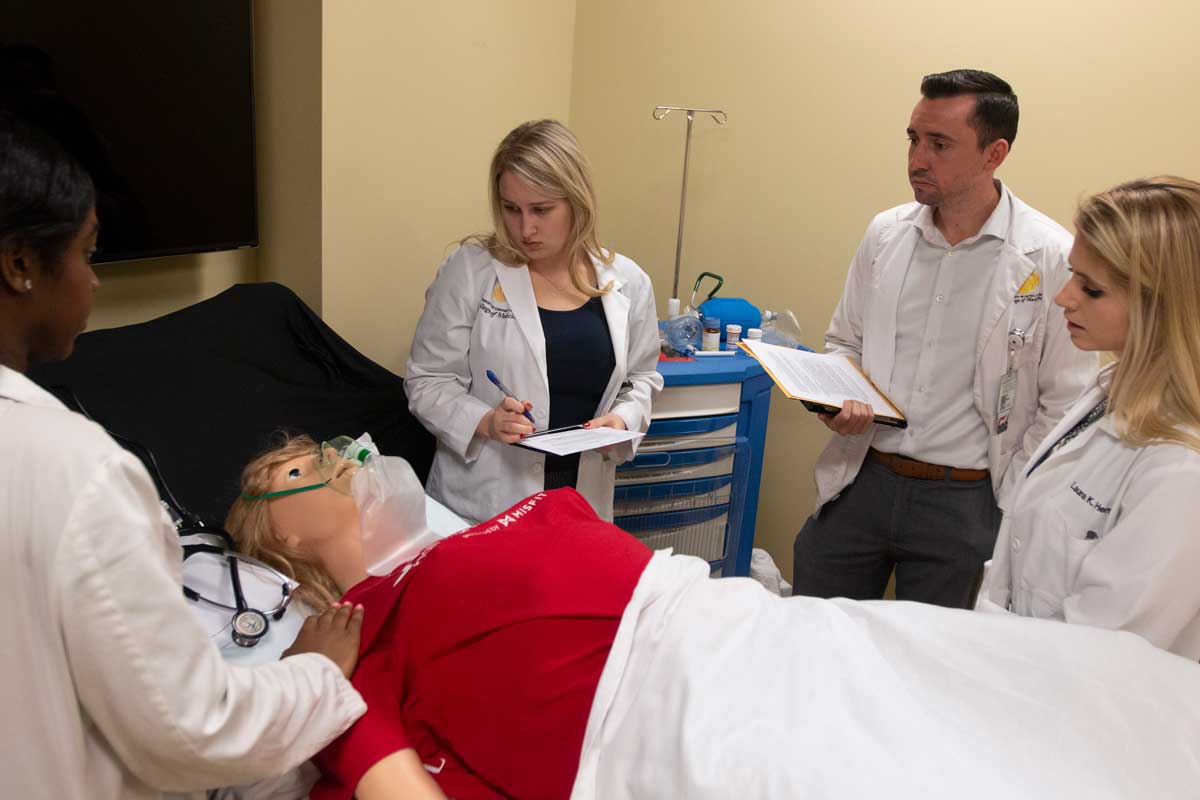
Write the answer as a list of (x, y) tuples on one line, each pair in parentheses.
[(249, 522), (1147, 232), (547, 156)]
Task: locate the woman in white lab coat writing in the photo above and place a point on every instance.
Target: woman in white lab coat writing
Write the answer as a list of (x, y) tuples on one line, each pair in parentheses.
[(1103, 527), (567, 326), (109, 685)]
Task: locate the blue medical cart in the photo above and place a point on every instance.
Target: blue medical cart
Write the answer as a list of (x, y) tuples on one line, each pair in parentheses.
[(694, 483)]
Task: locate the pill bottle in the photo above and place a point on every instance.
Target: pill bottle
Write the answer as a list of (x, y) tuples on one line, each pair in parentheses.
[(711, 336), (754, 335), (733, 335)]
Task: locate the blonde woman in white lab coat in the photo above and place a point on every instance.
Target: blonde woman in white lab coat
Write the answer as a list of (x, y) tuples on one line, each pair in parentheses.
[(109, 685), (1103, 529), (569, 327)]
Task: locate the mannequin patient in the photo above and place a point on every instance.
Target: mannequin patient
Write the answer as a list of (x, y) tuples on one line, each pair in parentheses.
[(546, 653)]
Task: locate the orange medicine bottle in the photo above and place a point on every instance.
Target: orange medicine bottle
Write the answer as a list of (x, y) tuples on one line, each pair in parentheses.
[(711, 337)]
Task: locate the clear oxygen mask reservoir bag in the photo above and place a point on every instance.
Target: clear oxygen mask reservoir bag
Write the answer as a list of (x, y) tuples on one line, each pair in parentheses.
[(391, 511)]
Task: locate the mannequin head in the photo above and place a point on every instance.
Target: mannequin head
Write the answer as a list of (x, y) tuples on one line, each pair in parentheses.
[(311, 536)]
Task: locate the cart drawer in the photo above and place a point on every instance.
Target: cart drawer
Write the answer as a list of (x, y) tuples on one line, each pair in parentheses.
[(689, 432), (654, 498), (698, 532)]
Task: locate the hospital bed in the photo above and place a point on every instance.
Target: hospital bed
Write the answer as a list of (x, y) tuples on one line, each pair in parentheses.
[(895, 699)]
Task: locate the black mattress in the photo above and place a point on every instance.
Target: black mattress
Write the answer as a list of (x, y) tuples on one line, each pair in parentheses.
[(206, 388)]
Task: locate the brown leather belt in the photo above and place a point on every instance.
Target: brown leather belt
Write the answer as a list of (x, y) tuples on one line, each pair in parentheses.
[(911, 468)]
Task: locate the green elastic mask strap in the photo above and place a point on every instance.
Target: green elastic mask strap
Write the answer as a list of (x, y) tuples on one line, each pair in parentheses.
[(284, 492)]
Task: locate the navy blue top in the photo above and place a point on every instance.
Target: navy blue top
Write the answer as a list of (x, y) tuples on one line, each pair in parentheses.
[(579, 363)]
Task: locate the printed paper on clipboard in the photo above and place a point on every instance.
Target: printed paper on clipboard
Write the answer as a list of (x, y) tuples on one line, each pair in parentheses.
[(823, 381), (575, 439)]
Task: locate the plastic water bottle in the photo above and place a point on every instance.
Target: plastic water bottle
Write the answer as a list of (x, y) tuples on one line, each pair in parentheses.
[(781, 328)]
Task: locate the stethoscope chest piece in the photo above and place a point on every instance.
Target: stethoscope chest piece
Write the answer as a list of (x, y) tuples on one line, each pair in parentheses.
[(248, 627)]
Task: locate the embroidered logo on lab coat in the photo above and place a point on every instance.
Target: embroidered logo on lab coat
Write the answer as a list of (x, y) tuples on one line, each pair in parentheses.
[(497, 307), (1030, 291)]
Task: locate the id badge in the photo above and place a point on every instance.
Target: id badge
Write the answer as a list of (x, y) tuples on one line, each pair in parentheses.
[(1004, 403), (1008, 384)]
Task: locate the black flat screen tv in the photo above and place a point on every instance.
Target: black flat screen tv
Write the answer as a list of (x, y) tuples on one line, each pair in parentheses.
[(157, 100)]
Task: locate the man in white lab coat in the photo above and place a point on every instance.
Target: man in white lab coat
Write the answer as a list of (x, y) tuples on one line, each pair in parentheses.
[(947, 308)]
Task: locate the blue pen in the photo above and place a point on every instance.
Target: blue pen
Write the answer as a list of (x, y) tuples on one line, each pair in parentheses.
[(499, 385)]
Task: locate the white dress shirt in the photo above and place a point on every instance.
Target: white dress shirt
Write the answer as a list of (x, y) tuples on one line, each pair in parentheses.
[(109, 684), (943, 297), (1050, 371)]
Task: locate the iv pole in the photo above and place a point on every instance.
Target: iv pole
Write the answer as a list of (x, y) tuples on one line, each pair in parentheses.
[(720, 118)]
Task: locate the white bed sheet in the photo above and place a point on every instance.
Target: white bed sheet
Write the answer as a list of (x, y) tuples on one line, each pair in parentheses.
[(717, 689)]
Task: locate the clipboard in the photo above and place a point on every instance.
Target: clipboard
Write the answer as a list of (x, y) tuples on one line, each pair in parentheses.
[(536, 434), (785, 365)]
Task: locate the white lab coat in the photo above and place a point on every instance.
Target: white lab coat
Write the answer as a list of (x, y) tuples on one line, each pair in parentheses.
[(481, 314), (1051, 371), (109, 685), (1139, 570)]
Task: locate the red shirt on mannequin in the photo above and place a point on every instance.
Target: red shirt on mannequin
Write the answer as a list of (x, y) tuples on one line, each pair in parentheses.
[(484, 652)]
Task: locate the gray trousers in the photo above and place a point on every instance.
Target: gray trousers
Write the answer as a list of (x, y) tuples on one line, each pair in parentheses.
[(936, 534)]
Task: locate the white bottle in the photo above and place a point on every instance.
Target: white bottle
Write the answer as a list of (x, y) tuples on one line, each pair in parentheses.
[(781, 328)]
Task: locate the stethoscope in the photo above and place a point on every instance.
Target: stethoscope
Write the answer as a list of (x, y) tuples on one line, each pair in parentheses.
[(248, 625)]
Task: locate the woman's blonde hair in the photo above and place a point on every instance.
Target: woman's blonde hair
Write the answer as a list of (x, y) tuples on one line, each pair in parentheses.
[(249, 522), (1147, 232), (546, 155)]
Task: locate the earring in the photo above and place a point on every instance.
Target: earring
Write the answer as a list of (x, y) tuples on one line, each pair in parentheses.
[(28, 285)]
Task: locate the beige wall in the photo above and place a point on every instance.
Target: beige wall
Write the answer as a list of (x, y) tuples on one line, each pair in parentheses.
[(287, 108), (377, 119), (416, 97), (135, 291), (818, 96)]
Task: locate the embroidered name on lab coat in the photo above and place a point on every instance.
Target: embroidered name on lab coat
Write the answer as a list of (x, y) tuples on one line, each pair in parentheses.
[(1087, 498), (494, 311)]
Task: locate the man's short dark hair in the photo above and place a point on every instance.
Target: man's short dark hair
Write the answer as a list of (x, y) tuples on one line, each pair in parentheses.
[(996, 110)]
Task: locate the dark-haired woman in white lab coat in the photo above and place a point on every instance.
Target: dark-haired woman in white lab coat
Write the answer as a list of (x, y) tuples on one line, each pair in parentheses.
[(109, 686)]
